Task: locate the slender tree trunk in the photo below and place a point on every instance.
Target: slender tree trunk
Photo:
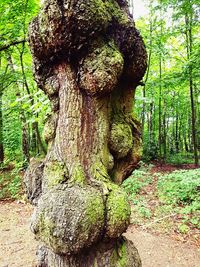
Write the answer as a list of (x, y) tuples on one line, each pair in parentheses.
[(25, 138), (176, 132), (173, 136), (160, 88), (1, 131), (190, 134), (1, 125), (36, 138), (188, 25), (151, 137), (89, 69), (148, 68), (164, 134), (33, 140), (25, 130), (160, 110)]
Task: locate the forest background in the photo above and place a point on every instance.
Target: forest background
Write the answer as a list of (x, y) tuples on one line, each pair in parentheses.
[(167, 101), (167, 105)]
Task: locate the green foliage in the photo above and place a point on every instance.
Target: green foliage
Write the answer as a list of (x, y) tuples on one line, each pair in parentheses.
[(137, 180), (157, 197), (150, 151), (165, 105), (133, 187), (10, 182), (179, 159), (14, 186), (180, 187), (184, 228), (22, 101)]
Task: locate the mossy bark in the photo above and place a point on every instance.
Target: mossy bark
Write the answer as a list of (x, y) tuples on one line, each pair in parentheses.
[(89, 69)]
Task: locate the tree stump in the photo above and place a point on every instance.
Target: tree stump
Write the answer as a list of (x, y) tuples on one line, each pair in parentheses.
[(88, 58)]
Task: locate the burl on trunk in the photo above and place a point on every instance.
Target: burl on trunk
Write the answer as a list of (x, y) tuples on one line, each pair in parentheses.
[(88, 58)]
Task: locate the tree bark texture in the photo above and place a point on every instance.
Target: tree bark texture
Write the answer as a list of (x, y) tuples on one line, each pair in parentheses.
[(88, 58)]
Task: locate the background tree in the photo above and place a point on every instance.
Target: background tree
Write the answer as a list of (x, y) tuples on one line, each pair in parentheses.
[(169, 112), (21, 100)]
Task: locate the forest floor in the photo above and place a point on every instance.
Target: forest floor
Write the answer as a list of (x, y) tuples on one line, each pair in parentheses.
[(158, 245), (151, 214)]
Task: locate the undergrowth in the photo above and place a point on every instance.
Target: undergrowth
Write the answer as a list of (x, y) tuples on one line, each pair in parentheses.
[(182, 189), (171, 200), (11, 181)]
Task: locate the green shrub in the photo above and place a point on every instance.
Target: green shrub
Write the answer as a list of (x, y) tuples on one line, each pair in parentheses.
[(180, 187), (179, 159), (137, 180), (15, 186), (11, 181)]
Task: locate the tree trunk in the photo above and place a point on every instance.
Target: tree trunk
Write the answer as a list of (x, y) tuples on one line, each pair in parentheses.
[(88, 68), (1, 122), (148, 67), (160, 133), (160, 110), (188, 26), (164, 134), (1, 131), (177, 131), (25, 126), (36, 138), (25, 139)]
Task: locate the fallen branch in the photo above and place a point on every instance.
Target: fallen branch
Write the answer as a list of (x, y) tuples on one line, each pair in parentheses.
[(158, 220)]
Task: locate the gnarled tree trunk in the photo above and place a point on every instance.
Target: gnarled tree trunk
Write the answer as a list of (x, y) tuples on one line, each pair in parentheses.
[(88, 58)]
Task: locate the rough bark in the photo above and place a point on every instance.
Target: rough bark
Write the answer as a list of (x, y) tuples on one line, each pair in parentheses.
[(113, 253), (88, 58), (32, 180)]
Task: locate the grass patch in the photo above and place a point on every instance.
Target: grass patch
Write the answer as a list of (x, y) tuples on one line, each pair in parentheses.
[(11, 182), (168, 201)]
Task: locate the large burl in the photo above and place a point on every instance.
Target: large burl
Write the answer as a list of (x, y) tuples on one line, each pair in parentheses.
[(88, 58)]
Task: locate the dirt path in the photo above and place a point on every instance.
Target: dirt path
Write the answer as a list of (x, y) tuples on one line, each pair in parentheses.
[(17, 245), (161, 251)]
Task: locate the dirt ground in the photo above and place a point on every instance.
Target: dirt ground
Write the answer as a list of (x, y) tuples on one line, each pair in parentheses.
[(17, 244)]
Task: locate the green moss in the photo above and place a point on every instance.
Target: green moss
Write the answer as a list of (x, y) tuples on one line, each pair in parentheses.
[(49, 130), (95, 263), (118, 212), (119, 256), (77, 214), (47, 233), (78, 175), (94, 211), (122, 262), (116, 12), (45, 228), (102, 68), (55, 172), (121, 139), (103, 12), (99, 171)]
